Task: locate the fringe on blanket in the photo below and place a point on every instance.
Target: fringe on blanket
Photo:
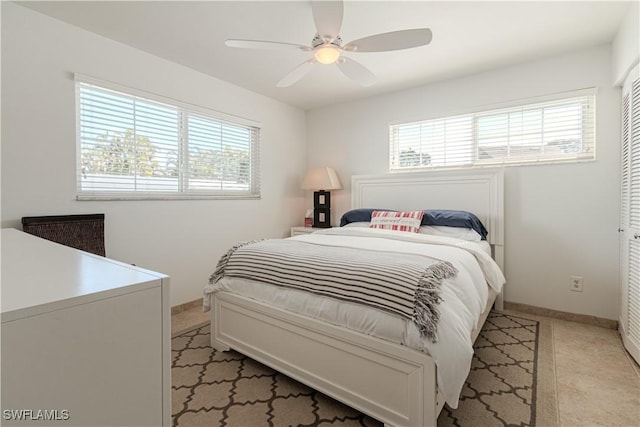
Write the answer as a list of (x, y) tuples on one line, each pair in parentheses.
[(222, 263), (427, 298), (219, 273)]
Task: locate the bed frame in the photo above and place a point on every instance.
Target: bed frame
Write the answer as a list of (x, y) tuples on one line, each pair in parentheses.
[(389, 382)]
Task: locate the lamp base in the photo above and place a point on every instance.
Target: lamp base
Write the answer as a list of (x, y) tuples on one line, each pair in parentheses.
[(321, 209), (321, 218)]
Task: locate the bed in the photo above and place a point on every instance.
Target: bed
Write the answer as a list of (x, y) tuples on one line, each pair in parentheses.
[(390, 381)]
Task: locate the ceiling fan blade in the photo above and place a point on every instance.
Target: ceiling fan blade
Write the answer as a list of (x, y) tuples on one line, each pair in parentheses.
[(297, 73), (262, 44), (327, 16), (356, 71), (395, 40)]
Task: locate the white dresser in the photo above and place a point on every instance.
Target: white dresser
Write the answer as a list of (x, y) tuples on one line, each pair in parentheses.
[(85, 339)]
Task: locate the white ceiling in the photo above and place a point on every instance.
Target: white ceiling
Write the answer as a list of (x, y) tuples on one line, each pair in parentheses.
[(468, 37)]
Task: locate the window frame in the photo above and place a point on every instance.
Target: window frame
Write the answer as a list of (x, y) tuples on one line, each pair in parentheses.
[(589, 95), (185, 112)]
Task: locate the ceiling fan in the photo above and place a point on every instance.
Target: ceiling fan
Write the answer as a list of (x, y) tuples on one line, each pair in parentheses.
[(327, 45)]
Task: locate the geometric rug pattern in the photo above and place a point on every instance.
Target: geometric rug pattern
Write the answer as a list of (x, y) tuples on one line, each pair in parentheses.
[(212, 388), (501, 387)]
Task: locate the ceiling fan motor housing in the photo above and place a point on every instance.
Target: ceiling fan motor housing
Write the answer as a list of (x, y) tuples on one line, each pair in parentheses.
[(319, 41)]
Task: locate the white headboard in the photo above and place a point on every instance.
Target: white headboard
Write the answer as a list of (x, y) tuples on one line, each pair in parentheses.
[(480, 191)]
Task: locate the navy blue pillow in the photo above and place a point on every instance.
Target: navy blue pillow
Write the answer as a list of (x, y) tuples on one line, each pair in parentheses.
[(449, 218), (358, 215), (452, 218)]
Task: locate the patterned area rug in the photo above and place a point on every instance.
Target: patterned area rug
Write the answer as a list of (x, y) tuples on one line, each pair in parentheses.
[(511, 383)]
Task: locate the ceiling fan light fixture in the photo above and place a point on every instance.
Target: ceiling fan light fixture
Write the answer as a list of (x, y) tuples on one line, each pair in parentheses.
[(327, 54)]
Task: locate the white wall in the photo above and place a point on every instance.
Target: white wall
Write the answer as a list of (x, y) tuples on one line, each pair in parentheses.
[(560, 220), (181, 238), (626, 44)]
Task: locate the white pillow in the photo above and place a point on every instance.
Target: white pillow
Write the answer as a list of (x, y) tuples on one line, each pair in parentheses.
[(435, 230), (359, 224), (456, 232)]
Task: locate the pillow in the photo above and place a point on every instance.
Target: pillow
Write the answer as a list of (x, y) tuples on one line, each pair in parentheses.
[(358, 215), (449, 218), (397, 221), (434, 230), (359, 224), (456, 232)]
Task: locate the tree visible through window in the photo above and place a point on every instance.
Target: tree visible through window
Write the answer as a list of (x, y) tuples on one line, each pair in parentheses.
[(127, 154), (132, 147)]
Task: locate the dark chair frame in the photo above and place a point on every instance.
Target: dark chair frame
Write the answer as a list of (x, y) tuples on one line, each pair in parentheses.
[(84, 232)]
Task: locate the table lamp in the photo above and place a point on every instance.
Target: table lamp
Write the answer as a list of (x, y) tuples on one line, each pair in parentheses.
[(319, 180)]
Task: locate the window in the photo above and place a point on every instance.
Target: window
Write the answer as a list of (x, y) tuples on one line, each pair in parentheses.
[(140, 146), (551, 131)]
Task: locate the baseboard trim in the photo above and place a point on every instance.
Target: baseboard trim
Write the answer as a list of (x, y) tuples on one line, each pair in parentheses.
[(186, 306), (563, 315), (515, 306)]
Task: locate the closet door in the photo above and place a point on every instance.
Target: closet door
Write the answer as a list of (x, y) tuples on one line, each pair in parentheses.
[(630, 215)]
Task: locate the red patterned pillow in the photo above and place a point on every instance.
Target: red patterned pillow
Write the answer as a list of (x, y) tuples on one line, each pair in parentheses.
[(399, 221)]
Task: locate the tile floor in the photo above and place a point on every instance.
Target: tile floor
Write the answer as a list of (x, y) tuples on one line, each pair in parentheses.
[(188, 319), (598, 383)]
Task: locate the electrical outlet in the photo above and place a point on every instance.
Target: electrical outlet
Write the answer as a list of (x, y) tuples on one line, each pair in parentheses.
[(576, 283)]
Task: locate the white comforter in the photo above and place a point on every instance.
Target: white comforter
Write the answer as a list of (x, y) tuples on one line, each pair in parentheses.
[(464, 298)]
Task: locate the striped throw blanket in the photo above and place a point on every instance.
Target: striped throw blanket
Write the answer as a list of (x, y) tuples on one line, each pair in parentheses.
[(405, 284)]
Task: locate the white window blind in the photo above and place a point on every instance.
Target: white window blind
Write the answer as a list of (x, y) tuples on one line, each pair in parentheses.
[(550, 131), (136, 147)]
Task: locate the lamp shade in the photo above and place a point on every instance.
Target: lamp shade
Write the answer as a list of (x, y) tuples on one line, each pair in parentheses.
[(321, 179)]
